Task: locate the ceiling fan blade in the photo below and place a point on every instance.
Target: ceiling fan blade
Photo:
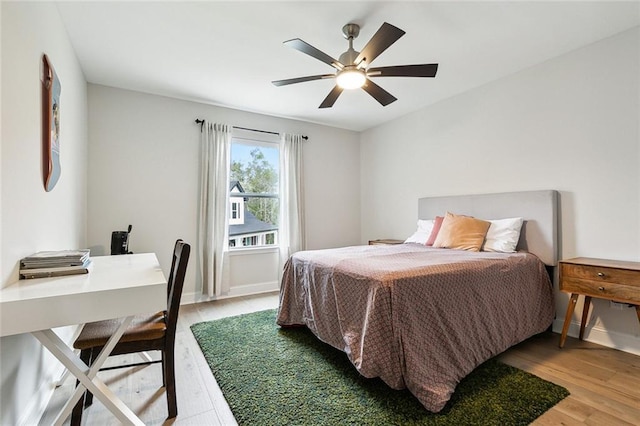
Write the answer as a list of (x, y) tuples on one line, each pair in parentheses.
[(331, 97), (305, 47), (378, 93), (386, 35), (424, 70), (301, 79)]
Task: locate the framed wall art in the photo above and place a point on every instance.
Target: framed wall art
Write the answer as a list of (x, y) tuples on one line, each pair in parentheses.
[(50, 125)]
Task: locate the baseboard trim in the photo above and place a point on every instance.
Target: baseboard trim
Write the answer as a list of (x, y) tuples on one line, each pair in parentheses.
[(56, 376), (38, 403), (611, 339), (246, 290), (40, 400)]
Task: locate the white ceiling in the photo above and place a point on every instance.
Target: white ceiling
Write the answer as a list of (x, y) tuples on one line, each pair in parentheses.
[(227, 53)]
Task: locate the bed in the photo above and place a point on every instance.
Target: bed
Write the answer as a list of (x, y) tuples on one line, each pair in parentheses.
[(423, 318)]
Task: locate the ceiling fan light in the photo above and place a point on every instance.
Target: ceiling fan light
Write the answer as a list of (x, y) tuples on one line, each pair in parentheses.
[(351, 79)]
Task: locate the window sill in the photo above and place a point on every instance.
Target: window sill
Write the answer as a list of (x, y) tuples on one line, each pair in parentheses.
[(253, 250)]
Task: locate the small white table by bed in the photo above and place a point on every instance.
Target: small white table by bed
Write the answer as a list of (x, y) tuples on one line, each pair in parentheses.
[(116, 287)]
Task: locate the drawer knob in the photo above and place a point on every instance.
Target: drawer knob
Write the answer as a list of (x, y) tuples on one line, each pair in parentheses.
[(601, 288), (601, 274)]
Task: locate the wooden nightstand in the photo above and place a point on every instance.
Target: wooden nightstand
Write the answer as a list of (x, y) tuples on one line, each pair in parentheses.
[(385, 242), (601, 278)]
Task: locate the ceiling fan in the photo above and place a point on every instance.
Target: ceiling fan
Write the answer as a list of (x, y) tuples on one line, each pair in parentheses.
[(352, 69)]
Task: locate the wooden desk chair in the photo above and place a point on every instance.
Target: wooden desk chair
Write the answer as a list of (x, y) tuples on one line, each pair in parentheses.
[(155, 332)]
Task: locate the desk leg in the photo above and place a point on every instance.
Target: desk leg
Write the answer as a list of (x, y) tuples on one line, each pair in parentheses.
[(86, 376), (585, 314), (567, 318), (96, 365)]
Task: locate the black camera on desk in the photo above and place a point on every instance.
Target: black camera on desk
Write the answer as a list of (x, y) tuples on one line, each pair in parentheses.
[(120, 242)]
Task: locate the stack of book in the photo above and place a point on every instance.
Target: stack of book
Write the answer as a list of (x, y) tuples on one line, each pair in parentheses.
[(55, 263)]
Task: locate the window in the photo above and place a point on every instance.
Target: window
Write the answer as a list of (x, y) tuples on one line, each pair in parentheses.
[(254, 199), (250, 241)]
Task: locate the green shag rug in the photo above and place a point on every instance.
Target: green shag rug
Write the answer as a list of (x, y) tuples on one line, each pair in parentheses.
[(274, 376)]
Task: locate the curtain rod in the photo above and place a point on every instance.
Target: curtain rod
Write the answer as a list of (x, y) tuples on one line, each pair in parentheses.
[(201, 123)]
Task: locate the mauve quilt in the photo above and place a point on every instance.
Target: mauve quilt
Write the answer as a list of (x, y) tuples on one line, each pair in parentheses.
[(415, 316)]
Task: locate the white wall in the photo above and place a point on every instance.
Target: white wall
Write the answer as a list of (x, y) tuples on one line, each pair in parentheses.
[(143, 170), (570, 124), (33, 219)]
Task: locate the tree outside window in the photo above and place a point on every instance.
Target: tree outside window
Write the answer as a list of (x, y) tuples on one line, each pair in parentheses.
[(254, 178)]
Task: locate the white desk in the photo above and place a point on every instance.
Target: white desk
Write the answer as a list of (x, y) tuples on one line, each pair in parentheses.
[(116, 287)]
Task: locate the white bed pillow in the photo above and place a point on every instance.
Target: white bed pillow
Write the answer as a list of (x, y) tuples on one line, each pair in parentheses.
[(422, 233), (503, 235)]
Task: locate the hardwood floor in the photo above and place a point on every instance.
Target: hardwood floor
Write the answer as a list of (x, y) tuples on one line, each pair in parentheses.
[(604, 383)]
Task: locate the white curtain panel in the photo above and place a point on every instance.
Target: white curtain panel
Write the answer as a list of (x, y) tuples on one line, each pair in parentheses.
[(292, 227), (213, 220)]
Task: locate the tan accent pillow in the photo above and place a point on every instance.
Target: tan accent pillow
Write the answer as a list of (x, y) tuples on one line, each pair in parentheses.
[(461, 232)]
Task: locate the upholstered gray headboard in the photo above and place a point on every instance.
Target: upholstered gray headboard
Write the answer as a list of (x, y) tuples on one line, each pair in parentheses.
[(539, 209)]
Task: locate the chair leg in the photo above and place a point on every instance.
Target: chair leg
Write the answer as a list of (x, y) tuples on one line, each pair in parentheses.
[(76, 414), (170, 382), (164, 370)]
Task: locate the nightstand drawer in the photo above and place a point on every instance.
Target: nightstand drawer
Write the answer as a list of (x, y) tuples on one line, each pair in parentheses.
[(601, 274), (602, 289)]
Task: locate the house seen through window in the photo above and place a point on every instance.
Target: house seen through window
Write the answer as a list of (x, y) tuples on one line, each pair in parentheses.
[(253, 197)]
